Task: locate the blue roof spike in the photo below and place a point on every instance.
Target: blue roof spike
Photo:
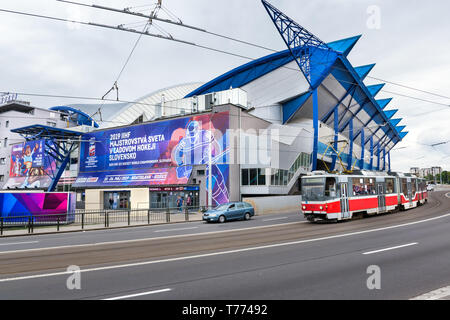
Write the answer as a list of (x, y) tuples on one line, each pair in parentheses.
[(384, 102), (375, 89), (395, 122), (363, 71), (390, 113), (344, 46), (400, 128), (403, 134), (313, 56)]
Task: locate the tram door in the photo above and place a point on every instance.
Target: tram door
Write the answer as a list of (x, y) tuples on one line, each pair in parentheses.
[(344, 201), (381, 198)]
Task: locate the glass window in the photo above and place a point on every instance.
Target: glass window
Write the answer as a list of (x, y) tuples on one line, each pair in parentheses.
[(313, 189), (330, 187), (276, 177), (413, 184), (7, 124), (369, 186), (253, 177), (390, 186), (261, 177), (5, 142), (404, 187), (359, 187)]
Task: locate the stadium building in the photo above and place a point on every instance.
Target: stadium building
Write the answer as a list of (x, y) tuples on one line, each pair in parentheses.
[(260, 127)]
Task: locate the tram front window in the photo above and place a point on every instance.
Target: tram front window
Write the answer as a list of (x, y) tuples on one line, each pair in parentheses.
[(318, 189)]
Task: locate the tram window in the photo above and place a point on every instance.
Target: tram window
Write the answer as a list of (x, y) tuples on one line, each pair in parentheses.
[(330, 187), (404, 187), (358, 187), (413, 186), (370, 186), (390, 186)]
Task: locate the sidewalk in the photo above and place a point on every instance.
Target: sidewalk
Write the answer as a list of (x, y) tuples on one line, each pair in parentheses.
[(77, 226)]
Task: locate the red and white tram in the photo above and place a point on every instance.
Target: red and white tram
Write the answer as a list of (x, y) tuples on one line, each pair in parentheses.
[(343, 197)]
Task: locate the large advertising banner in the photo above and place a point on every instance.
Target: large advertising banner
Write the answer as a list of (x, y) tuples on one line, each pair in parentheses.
[(43, 207), (160, 153), (31, 167)]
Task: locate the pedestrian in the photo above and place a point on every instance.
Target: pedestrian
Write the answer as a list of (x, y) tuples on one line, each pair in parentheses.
[(188, 201), (179, 203)]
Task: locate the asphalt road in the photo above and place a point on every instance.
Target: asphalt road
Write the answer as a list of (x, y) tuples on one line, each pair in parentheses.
[(261, 259)]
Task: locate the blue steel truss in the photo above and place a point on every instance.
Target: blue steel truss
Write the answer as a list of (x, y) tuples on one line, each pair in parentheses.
[(296, 37), (60, 143)]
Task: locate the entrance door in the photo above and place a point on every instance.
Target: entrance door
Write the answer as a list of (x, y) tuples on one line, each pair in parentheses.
[(344, 201), (381, 198)]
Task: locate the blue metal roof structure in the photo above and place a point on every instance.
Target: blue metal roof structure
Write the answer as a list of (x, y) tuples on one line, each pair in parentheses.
[(81, 117), (317, 60), (59, 143)]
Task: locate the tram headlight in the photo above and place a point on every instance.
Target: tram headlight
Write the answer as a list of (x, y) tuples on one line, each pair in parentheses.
[(304, 207), (321, 207)]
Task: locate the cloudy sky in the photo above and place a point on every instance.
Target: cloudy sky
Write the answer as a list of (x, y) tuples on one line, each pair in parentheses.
[(408, 39)]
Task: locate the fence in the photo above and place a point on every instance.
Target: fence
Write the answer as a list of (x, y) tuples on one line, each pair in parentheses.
[(95, 219)]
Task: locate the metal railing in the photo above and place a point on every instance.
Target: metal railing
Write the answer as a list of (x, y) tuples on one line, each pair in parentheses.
[(96, 219)]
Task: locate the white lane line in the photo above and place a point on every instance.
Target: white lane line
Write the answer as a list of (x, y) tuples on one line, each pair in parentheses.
[(275, 219), (17, 243), (138, 294), (434, 295), (391, 248), (148, 239), (179, 229), (144, 263)]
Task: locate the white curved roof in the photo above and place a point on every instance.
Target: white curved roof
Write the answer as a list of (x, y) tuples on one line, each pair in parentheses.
[(146, 105)]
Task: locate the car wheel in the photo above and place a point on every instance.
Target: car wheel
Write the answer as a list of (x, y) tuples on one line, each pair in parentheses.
[(222, 219), (247, 216)]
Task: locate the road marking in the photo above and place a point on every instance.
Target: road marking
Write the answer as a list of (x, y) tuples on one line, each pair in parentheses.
[(139, 294), (149, 239), (16, 243), (180, 229), (434, 295), (277, 245), (447, 195), (391, 248), (274, 219)]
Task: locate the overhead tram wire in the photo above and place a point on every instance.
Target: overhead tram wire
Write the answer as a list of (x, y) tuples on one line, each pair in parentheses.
[(186, 42), (181, 24), (115, 85), (177, 23), (173, 39)]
